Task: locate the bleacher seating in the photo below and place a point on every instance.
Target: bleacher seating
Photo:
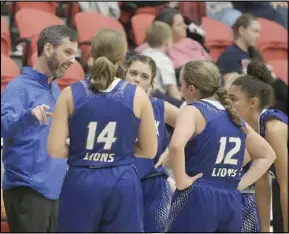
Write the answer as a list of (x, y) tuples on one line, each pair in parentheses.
[(140, 23), (9, 70), (29, 27), (218, 36), (88, 23), (273, 42)]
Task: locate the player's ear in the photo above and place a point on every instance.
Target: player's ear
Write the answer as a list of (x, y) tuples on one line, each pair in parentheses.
[(192, 89), (254, 103)]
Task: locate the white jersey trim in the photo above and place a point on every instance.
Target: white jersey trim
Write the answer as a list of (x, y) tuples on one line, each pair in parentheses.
[(112, 86), (215, 103)]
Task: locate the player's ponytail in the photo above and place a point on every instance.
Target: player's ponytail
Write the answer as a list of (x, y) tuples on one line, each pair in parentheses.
[(223, 97), (259, 70), (102, 73), (258, 83), (108, 48)]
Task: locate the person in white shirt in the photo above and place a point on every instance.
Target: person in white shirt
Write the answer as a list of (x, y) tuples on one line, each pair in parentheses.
[(159, 39)]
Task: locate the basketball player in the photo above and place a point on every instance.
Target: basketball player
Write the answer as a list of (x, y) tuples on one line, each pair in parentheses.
[(103, 116), (207, 152), (141, 71), (253, 96)]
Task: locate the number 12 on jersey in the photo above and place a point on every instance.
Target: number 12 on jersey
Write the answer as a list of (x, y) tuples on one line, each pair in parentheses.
[(231, 153), (106, 136), (224, 158)]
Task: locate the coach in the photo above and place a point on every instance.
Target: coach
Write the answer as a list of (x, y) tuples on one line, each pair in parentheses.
[(32, 179)]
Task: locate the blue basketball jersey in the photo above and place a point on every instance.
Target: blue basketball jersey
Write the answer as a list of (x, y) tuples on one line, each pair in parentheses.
[(217, 152), (250, 217), (145, 166), (266, 114), (103, 128), (269, 114)]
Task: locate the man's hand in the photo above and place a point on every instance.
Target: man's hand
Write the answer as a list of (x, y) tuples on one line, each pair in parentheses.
[(41, 113)]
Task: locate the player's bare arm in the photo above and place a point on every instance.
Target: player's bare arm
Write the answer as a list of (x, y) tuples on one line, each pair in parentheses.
[(147, 138), (59, 130), (262, 156), (184, 130)]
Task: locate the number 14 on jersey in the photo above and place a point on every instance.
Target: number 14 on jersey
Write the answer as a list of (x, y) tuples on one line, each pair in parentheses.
[(106, 136)]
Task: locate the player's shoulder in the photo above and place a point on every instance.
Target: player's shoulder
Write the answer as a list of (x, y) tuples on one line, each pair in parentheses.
[(140, 93), (274, 125), (191, 110)]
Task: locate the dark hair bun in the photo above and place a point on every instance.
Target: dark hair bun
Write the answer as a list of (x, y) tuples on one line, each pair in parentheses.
[(259, 70)]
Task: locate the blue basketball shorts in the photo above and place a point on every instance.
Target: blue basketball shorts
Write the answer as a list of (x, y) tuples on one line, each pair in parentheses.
[(205, 208), (157, 197), (101, 200)]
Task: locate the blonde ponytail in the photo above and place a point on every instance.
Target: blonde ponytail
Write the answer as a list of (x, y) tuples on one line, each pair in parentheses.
[(102, 73), (226, 102)]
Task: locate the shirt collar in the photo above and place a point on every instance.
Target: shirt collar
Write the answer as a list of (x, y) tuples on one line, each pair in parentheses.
[(32, 73)]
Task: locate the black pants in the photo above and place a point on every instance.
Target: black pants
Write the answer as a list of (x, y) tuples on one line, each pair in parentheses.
[(28, 211), (277, 210)]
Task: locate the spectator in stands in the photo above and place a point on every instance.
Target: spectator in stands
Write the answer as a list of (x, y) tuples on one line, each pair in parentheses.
[(192, 12), (222, 11), (32, 179), (183, 48), (105, 8), (159, 39), (235, 58), (275, 11)]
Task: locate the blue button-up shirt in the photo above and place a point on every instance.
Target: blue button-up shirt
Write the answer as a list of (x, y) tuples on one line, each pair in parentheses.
[(25, 156)]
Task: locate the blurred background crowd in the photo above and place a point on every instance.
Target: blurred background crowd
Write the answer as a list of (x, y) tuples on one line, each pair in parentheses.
[(228, 33)]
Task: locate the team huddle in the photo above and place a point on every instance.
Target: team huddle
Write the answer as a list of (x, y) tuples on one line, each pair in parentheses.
[(114, 147), (119, 146)]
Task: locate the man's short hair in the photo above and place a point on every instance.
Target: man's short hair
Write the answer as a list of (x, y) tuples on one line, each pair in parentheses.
[(54, 35), (157, 33)]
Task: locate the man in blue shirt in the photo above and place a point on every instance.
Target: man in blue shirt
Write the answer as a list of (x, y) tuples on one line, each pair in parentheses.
[(32, 179)]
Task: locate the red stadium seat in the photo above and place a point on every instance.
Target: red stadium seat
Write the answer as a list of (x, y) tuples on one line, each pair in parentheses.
[(147, 10), (89, 23), (218, 36), (31, 22), (280, 68), (273, 42), (140, 23), (9, 70), (5, 38), (49, 7)]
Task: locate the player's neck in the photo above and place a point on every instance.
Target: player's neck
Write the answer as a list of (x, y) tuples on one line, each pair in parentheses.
[(253, 121)]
